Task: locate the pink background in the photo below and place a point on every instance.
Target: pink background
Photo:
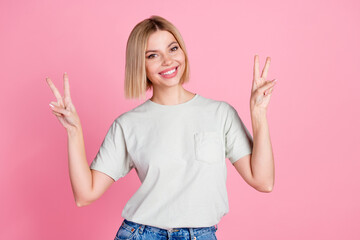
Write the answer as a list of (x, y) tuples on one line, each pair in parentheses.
[(313, 113)]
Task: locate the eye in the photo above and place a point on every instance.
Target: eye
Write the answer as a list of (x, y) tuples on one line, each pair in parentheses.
[(150, 56), (172, 49)]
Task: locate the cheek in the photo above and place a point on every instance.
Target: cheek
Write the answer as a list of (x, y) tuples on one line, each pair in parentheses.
[(149, 68), (182, 57), (181, 60)]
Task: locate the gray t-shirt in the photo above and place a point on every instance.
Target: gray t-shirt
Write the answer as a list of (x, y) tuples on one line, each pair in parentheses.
[(178, 152)]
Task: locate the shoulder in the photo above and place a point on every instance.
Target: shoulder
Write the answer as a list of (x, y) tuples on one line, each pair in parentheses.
[(132, 115), (219, 104)]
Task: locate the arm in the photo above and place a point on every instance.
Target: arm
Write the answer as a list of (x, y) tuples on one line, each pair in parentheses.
[(257, 168), (79, 171), (262, 159), (87, 185)]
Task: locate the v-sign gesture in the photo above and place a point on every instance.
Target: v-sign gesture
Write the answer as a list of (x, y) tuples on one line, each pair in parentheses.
[(261, 88), (64, 109), (261, 166)]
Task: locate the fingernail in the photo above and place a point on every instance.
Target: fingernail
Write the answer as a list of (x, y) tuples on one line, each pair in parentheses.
[(51, 105), (275, 80)]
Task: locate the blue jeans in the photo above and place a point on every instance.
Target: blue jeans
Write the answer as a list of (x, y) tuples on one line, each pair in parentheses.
[(135, 231)]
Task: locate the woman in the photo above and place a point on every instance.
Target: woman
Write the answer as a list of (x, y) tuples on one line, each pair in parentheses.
[(177, 141)]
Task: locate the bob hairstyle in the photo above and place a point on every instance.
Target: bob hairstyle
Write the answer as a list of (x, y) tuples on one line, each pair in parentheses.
[(136, 81)]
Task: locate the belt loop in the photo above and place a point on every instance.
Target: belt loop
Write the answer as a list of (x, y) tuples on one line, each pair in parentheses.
[(216, 227), (192, 236), (141, 228)]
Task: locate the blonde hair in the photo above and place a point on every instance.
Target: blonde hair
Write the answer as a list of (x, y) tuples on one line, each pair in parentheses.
[(136, 82)]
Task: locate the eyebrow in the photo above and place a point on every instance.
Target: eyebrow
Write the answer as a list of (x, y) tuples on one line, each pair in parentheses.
[(156, 50)]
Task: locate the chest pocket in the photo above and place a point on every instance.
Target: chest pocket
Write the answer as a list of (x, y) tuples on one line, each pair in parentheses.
[(209, 147)]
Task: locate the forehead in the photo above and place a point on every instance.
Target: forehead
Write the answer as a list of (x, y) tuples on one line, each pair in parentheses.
[(159, 38)]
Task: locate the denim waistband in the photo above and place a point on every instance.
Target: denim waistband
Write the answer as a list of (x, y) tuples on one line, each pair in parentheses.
[(132, 226)]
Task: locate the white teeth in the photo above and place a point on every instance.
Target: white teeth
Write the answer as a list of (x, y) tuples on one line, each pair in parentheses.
[(169, 72)]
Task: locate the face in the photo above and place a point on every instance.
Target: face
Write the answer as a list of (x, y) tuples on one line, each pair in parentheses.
[(164, 60)]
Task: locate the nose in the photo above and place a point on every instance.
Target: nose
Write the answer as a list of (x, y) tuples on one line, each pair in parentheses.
[(167, 60)]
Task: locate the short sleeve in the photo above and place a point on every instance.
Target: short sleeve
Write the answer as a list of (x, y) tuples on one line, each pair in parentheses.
[(238, 140), (113, 158)]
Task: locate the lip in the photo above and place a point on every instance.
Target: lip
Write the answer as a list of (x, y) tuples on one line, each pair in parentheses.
[(166, 70)]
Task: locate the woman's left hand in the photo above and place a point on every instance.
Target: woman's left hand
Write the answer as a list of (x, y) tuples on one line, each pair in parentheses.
[(261, 88)]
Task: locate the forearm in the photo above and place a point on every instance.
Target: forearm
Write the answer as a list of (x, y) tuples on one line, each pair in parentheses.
[(79, 170), (262, 160)]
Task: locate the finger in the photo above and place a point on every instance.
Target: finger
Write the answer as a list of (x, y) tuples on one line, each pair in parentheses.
[(59, 105), (54, 90), (256, 67), (59, 110), (66, 85), (266, 86), (54, 104), (266, 68), (269, 91), (57, 114)]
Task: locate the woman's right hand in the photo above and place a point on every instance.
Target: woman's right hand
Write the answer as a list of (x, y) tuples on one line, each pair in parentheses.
[(63, 109)]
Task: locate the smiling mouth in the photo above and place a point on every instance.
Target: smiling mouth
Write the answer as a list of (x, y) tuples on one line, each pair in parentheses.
[(169, 72)]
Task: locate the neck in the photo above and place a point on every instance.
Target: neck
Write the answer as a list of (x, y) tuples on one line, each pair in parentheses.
[(171, 96)]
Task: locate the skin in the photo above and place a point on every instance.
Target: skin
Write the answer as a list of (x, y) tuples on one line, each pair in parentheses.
[(165, 91), (63, 108), (87, 184), (257, 168)]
